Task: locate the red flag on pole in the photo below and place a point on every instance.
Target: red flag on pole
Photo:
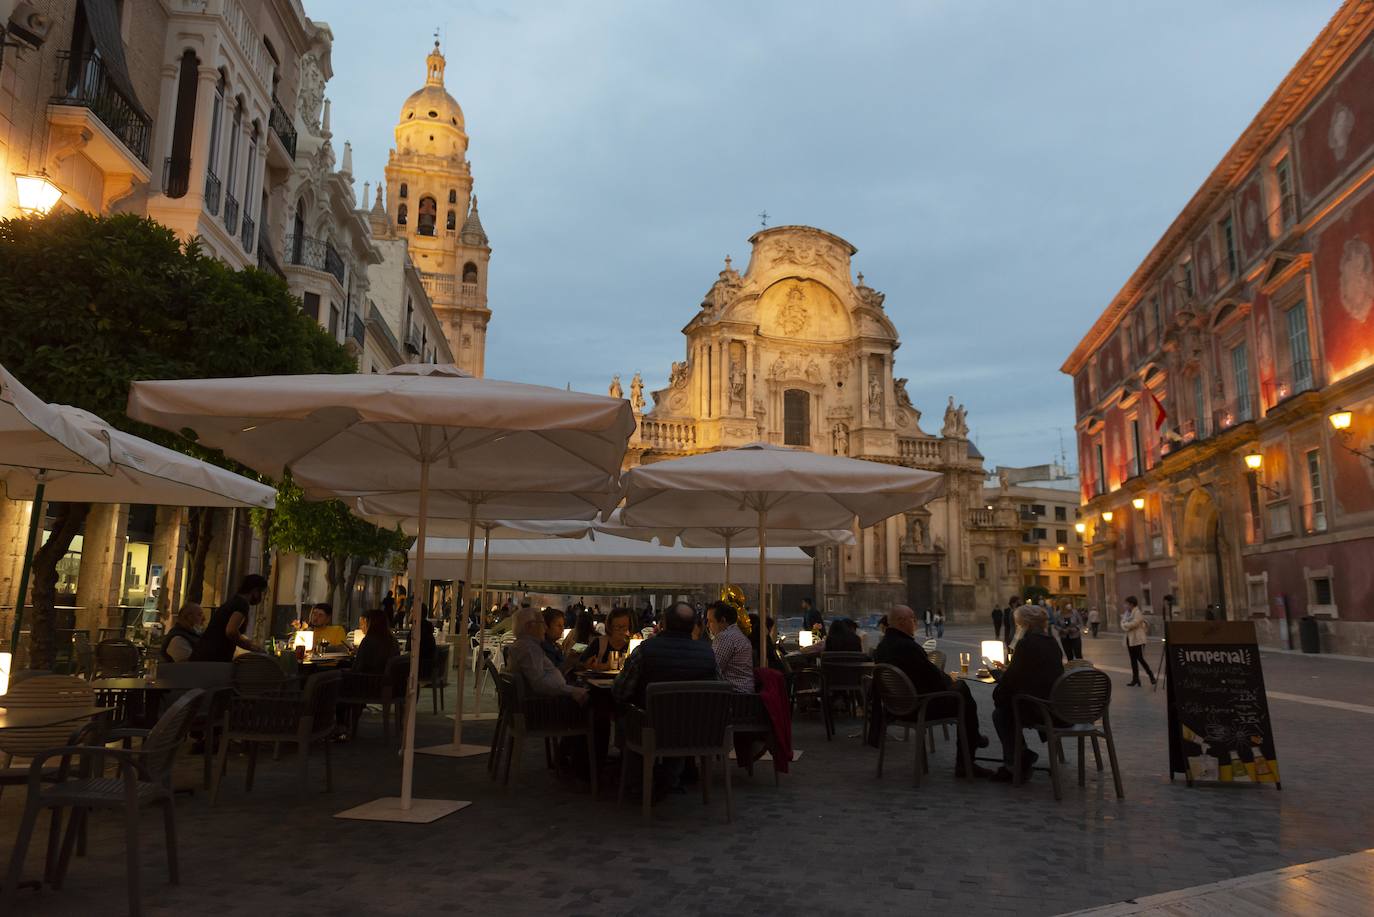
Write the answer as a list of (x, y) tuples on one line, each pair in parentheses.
[(1161, 415)]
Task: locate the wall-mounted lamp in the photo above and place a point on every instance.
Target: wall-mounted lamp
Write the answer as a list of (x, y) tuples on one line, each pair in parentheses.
[(1254, 461), (37, 194), (1080, 527), (1138, 502), (1107, 515), (1341, 419)]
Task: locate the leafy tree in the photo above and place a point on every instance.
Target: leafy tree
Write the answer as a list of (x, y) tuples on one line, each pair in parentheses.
[(93, 303), (329, 531), (1035, 594)]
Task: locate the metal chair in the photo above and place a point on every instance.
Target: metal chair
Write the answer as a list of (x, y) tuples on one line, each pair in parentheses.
[(256, 674), (145, 779), (216, 680), (505, 701), (117, 659), (1077, 704), (681, 719), (545, 717), (437, 680), (83, 654), (902, 704), (748, 716), (385, 689), (303, 720), (841, 677)]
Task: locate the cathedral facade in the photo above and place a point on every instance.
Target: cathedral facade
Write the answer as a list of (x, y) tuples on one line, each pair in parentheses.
[(430, 204), (794, 352)]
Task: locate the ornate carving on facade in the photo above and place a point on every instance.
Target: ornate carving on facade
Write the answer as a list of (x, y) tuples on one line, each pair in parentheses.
[(310, 95), (839, 368), (956, 421), (737, 431), (636, 392), (793, 316), (839, 438), (737, 374), (678, 377), (803, 254)]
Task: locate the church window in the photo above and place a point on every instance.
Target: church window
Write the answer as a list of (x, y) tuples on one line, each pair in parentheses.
[(452, 221), (401, 215), (434, 114), (425, 216), (469, 273), (409, 115), (452, 196), (796, 417), (405, 190)]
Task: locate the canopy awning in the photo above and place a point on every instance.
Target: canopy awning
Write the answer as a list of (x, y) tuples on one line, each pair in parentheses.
[(612, 560)]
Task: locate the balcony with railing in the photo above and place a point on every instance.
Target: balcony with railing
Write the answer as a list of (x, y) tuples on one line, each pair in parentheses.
[(176, 176), (438, 285), (246, 236), (414, 346), (1294, 379), (212, 192), (1233, 413), (378, 324), (983, 518), (1313, 518), (316, 254), (266, 260), (1280, 519), (668, 435), (919, 451), (282, 126), (83, 81), (231, 212)]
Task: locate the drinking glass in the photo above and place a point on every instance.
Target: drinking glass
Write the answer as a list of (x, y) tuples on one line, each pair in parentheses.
[(963, 663)]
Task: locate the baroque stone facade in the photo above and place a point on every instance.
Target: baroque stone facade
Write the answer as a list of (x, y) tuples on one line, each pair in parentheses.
[(793, 351)]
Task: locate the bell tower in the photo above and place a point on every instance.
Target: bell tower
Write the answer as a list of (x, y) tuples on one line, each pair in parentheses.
[(431, 205)]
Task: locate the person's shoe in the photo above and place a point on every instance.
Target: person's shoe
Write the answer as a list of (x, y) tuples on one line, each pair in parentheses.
[(982, 773), (1133, 684), (1153, 682), (1001, 775)]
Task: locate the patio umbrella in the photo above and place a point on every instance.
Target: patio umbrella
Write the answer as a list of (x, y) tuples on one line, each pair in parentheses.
[(772, 487), (37, 440), (727, 537), (398, 437)]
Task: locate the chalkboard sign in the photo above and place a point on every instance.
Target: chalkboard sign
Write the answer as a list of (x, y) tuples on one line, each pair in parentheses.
[(1219, 728)]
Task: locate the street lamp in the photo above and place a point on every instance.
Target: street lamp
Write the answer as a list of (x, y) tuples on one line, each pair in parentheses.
[(37, 193), (1340, 419), (1254, 461), (1106, 515), (1080, 527), (1138, 502)]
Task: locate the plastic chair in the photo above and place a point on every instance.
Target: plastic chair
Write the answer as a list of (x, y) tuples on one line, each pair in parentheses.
[(255, 674), (303, 720), (545, 717), (41, 692), (1077, 704), (145, 779), (437, 679), (681, 719), (902, 704), (841, 677), (117, 659)]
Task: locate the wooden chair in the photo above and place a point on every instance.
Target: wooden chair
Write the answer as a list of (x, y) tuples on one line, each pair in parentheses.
[(681, 719), (1078, 707), (902, 704), (300, 719), (144, 779), (117, 659)]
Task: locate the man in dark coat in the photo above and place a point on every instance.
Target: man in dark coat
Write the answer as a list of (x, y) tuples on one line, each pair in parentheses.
[(1036, 663), (899, 648), (997, 623)]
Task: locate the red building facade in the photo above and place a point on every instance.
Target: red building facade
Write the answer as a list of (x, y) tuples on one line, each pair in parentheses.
[(1210, 391)]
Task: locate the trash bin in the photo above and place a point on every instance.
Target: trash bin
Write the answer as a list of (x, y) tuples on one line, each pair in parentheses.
[(1308, 635)]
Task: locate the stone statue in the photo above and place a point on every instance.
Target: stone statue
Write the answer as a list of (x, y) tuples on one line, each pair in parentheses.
[(310, 92), (875, 393), (637, 393), (961, 421), (616, 391), (899, 386), (678, 377), (737, 383), (951, 425), (840, 439)]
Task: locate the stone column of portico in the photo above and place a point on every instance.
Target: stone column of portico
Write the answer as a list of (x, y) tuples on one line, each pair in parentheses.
[(207, 77), (166, 120), (863, 388), (99, 584), (889, 409), (14, 533), (722, 374), (749, 351), (168, 551)]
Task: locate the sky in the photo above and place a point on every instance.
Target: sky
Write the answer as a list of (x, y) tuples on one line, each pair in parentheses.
[(1002, 167)]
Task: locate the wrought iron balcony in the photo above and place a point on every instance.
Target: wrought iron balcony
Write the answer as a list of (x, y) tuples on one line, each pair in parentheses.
[(231, 212), (282, 126), (212, 192), (176, 176), (356, 329), (83, 81), (246, 236), (316, 254)]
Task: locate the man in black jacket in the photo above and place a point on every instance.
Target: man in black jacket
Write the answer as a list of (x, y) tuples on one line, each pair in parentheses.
[(670, 655), (1036, 663), (899, 648)]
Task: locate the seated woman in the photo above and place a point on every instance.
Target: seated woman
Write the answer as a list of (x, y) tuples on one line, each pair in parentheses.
[(616, 639), (378, 645), (844, 637), (774, 658), (582, 634)]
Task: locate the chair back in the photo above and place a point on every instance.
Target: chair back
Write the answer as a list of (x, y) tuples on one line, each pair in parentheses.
[(254, 673), (165, 739), (937, 658), (321, 696), (179, 676), (439, 674), (895, 690), (506, 692), (83, 654), (43, 692), (117, 659), (1081, 695), (397, 673), (844, 669), (688, 715)]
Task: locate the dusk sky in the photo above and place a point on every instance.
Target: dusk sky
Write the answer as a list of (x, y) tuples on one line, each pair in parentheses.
[(1001, 167)]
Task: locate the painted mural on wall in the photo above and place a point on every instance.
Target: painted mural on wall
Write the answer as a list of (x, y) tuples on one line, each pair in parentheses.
[(1338, 131)]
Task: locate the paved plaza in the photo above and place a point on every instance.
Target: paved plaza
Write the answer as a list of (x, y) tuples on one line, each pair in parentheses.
[(832, 840)]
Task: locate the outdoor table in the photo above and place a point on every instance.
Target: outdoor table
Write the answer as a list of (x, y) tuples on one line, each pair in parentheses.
[(142, 699), (42, 717)]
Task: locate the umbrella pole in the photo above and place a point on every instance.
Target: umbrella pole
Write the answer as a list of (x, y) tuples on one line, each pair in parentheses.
[(727, 564), (35, 517), (463, 644), (763, 590), (482, 623), (413, 678)]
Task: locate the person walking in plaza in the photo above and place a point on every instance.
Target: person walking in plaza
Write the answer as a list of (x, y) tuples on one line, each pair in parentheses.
[(939, 622), (1135, 631), (997, 622), (1008, 619), (930, 623), (1070, 627), (1094, 620)]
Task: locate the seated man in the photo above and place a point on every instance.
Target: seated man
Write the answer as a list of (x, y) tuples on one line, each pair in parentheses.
[(553, 636), (1037, 661), (899, 648), (734, 654), (672, 655), (525, 659), (322, 624), (181, 640)]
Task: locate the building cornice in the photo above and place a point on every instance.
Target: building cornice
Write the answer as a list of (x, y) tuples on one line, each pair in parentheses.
[(1329, 51)]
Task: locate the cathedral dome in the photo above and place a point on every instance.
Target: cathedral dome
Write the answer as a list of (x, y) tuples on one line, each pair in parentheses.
[(431, 107)]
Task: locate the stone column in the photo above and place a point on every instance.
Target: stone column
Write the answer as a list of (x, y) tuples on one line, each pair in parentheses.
[(207, 77), (894, 539), (102, 567), (889, 409), (750, 349), (169, 551), (166, 120), (863, 388)]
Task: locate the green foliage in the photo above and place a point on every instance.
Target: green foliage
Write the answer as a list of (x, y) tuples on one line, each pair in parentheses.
[(326, 529), (93, 303)]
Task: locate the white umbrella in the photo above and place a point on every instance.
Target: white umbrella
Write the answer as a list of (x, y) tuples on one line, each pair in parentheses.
[(727, 537), (772, 487), (397, 436), (37, 440)]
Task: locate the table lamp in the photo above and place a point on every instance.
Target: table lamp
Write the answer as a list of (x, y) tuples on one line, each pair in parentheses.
[(634, 644), (995, 650), (305, 638), (358, 637), (805, 638), (6, 659)]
